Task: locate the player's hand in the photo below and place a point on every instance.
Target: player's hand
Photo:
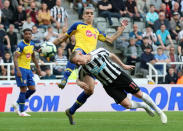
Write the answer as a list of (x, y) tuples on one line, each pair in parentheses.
[(128, 67), (124, 22), (39, 71), (19, 74)]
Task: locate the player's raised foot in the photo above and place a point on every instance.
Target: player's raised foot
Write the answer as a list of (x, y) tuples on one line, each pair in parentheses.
[(163, 117), (62, 84), (70, 116), (24, 114), (149, 111), (16, 108)]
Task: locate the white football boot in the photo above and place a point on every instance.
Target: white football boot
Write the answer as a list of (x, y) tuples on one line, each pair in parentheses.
[(163, 117), (149, 111), (24, 114)]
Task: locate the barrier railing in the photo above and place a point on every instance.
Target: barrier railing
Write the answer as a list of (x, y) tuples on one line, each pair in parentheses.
[(9, 77), (155, 74)]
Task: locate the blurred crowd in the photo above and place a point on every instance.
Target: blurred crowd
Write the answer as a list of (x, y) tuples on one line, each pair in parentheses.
[(160, 41)]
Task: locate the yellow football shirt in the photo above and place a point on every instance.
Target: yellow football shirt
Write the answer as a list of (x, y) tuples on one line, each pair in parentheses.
[(86, 36), (25, 50)]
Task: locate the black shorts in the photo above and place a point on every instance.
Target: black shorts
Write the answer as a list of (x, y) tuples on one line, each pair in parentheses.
[(117, 90)]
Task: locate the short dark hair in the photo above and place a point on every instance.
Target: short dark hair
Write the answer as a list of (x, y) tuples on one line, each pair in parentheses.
[(145, 37), (27, 29), (152, 5)]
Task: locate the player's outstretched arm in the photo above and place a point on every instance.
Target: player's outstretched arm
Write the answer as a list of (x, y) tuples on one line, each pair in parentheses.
[(60, 39), (15, 60), (111, 39), (119, 62), (36, 63)]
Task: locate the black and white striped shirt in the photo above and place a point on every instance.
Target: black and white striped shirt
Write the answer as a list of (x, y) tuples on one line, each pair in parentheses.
[(55, 11), (101, 67)]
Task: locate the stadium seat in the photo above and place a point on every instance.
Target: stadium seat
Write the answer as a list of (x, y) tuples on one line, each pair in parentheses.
[(115, 22), (125, 36), (110, 31), (99, 19), (102, 26), (141, 25), (137, 69)]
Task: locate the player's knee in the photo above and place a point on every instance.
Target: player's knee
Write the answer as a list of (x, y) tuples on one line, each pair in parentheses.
[(138, 94), (127, 106), (89, 91)]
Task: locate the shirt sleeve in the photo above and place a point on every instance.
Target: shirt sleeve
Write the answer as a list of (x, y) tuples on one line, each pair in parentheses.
[(19, 48), (167, 32), (157, 32), (102, 36), (73, 28), (148, 17)]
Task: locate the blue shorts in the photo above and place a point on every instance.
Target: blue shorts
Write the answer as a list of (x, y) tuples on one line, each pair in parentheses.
[(27, 78)]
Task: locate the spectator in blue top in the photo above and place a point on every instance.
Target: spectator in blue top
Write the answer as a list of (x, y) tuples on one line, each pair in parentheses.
[(136, 34), (162, 35), (146, 57), (151, 16), (160, 57)]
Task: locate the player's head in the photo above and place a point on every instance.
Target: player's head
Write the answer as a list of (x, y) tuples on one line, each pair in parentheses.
[(77, 58), (27, 34), (88, 15)]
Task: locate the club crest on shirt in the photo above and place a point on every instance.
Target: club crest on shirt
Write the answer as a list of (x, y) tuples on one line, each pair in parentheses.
[(18, 49)]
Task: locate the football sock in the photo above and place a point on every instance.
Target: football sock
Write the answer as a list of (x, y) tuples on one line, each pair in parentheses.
[(69, 68), (80, 101), (29, 93), (147, 99), (21, 101), (137, 105)]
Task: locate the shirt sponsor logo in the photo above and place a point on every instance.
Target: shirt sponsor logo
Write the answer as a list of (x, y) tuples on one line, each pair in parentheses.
[(97, 69), (90, 34), (28, 55)]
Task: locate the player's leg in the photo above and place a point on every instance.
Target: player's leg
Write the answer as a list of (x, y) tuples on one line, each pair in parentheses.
[(69, 68), (31, 85), (147, 99), (31, 90), (129, 104), (21, 99), (81, 99), (132, 88), (116, 91), (22, 83)]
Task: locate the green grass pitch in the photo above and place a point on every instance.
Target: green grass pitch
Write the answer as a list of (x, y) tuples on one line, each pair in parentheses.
[(91, 121)]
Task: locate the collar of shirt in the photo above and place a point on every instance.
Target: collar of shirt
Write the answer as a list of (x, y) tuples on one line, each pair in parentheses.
[(26, 42)]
